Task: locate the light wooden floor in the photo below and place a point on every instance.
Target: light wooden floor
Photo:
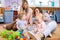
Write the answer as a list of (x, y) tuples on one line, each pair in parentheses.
[(56, 35)]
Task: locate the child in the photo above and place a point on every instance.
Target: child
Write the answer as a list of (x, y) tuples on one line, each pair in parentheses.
[(10, 26), (40, 25), (21, 23), (36, 29)]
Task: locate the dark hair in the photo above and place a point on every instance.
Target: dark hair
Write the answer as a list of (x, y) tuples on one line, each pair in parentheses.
[(38, 9), (46, 11)]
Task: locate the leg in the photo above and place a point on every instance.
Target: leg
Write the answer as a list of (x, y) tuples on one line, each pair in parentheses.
[(34, 36), (50, 27), (14, 28), (9, 26)]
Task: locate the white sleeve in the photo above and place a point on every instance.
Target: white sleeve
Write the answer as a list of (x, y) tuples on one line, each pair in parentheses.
[(19, 9)]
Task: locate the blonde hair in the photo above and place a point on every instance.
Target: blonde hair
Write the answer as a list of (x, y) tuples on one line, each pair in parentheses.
[(22, 8), (21, 13)]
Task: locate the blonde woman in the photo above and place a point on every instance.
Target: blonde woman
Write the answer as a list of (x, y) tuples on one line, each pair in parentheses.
[(27, 12)]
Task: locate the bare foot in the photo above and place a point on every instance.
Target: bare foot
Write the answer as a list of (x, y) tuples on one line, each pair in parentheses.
[(4, 26)]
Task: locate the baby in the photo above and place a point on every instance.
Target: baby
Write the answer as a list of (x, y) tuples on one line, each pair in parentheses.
[(40, 26), (21, 23)]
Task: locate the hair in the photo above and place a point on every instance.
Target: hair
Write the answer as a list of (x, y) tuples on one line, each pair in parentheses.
[(22, 9), (26, 10), (38, 9), (46, 11)]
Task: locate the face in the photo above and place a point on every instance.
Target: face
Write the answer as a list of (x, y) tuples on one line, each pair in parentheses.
[(37, 10), (37, 21), (25, 5)]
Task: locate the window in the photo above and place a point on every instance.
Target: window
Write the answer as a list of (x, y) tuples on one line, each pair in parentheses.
[(43, 3)]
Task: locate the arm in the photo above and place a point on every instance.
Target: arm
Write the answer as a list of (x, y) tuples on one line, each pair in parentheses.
[(43, 27), (30, 17), (35, 28), (17, 25), (26, 27)]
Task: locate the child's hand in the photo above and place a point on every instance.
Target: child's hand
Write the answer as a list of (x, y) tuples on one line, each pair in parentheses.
[(26, 27), (35, 30)]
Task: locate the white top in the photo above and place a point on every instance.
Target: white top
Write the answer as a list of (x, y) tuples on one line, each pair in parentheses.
[(27, 17), (21, 24)]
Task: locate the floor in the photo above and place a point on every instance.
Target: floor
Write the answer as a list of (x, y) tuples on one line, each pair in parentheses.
[(56, 35)]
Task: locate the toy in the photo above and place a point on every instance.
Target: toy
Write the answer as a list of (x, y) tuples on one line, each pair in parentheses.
[(25, 39), (4, 34), (16, 36), (9, 39), (21, 39), (17, 39), (13, 35), (21, 31), (22, 36)]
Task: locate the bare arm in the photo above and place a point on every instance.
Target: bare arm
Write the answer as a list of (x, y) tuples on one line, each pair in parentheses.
[(30, 18), (43, 27)]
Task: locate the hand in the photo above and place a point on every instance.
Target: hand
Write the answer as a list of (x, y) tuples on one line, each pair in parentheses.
[(35, 30)]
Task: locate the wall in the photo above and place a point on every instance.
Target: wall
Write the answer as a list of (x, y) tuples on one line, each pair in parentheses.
[(2, 3), (56, 3), (13, 4)]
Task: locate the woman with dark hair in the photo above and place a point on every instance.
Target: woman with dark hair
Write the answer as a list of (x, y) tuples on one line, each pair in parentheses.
[(40, 25), (51, 25)]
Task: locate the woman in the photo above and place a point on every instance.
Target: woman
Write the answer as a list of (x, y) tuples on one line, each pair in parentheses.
[(40, 25), (27, 12), (51, 26), (39, 20)]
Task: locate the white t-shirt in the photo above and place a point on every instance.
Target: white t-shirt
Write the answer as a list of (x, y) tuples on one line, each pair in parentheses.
[(28, 14)]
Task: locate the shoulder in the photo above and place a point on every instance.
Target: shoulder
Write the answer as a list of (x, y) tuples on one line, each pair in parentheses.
[(30, 10), (41, 15)]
